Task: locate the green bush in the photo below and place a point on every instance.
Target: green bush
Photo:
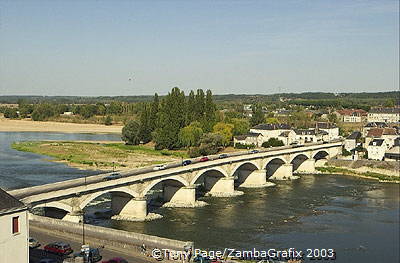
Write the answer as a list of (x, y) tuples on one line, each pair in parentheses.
[(244, 146), (272, 142)]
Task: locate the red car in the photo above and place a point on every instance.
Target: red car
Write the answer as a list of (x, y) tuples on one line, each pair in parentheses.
[(204, 159), (116, 260), (59, 248)]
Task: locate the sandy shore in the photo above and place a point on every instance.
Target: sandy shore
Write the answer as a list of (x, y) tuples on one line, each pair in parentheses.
[(7, 125)]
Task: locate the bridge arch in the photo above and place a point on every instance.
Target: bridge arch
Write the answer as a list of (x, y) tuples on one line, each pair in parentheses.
[(272, 165), (93, 196), (321, 154), (176, 179), (214, 170), (57, 205), (298, 160), (242, 171)]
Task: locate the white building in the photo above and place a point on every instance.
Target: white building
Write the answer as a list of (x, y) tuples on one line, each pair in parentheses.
[(310, 135), (376, 149), (353, 115), (14, 229), (384, 115), (249, 139), (330, 128), (269, 131), (351, 141)]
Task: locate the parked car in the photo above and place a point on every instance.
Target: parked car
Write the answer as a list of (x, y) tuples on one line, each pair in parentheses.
[(48, 260), (254, 151), (33, 243), (186, 162), (113, 176), (222, 156), (94, 255), (204, 159), (159, 167), (116, 260), (59, 248), (201, 259)]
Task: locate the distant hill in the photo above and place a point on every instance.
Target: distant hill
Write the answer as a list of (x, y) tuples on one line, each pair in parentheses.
[(245, 98)]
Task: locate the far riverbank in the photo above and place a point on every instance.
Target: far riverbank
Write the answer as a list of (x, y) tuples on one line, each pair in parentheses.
[(7, 125)]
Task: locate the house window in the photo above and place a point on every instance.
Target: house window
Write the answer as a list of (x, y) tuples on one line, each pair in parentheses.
[(15, 224)]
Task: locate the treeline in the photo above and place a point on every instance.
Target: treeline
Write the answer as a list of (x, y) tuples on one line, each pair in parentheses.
[(178, 121), (45, 111), (244, 98)]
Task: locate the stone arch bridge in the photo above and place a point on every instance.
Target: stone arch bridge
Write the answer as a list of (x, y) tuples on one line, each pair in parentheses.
[(130, 194)]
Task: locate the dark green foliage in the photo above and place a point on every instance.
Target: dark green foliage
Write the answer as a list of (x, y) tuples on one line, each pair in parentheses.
[(257, 116), (145, 124), (10, 113), (244, 146), (108, 120), (210, 143), (272, 142), (345, 152), (43, 112), (130, 133)]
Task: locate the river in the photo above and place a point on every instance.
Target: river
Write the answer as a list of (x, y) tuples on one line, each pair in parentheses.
[(358, 218)]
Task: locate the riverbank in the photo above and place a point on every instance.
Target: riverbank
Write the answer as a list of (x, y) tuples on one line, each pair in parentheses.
[(7, 125), (352, 172), (100, 156)]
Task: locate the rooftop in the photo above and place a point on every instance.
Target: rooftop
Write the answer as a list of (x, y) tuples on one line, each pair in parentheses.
[(354, 136), (325, 125), (272, 127), (385, 110), (8, 203), (376, 142)]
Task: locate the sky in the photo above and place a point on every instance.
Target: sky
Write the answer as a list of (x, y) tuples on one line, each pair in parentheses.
[(94, 48)]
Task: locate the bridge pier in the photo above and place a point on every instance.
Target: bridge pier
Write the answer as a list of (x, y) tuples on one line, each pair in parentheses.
[(308, 166), (284, 172), (256, 179), (180, 196), (75, 216), (127, 208), (222, 187)]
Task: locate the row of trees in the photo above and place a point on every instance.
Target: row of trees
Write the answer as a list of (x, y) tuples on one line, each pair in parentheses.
[(179, 121)]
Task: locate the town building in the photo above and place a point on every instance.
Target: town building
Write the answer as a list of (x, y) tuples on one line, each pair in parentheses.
[(269, 131), (352, 115), (384, 115), (330, 128), (393, 154), (352, 141), (387, 134), (371, 125), (251, 138), (14, 229), (310, 135), (376, 149)]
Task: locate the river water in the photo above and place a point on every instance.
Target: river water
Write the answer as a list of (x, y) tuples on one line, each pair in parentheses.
[(358, 218)]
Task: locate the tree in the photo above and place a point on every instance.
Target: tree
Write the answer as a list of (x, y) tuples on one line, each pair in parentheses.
[(130, 133), (257, 116), (225, 130), (43, 112), (199, 105), (272, 120), (145, 124), (171, 119), (108, 120), (240, 126), (209, 112), (210, 144), (190, 135), (153, 112), (191, 108), (272, 142), (10, 113)]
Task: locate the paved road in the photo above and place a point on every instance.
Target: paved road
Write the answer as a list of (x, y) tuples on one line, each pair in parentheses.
[(44, 238)]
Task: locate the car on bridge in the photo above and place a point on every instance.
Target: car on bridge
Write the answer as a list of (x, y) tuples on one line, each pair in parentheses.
[(254, 151), (159, 167), (33, 243), (222, 156), (186, 162), (112, 176), (59, 248), (204, 159)]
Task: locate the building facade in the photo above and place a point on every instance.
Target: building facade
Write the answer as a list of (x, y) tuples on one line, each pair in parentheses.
[(389, 115), (14, 229)]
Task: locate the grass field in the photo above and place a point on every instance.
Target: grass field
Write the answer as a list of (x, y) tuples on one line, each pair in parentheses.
[(371, 175), (100, 156)]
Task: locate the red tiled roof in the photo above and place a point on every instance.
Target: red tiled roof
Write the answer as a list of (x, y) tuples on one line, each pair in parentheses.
[(375, 132)]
